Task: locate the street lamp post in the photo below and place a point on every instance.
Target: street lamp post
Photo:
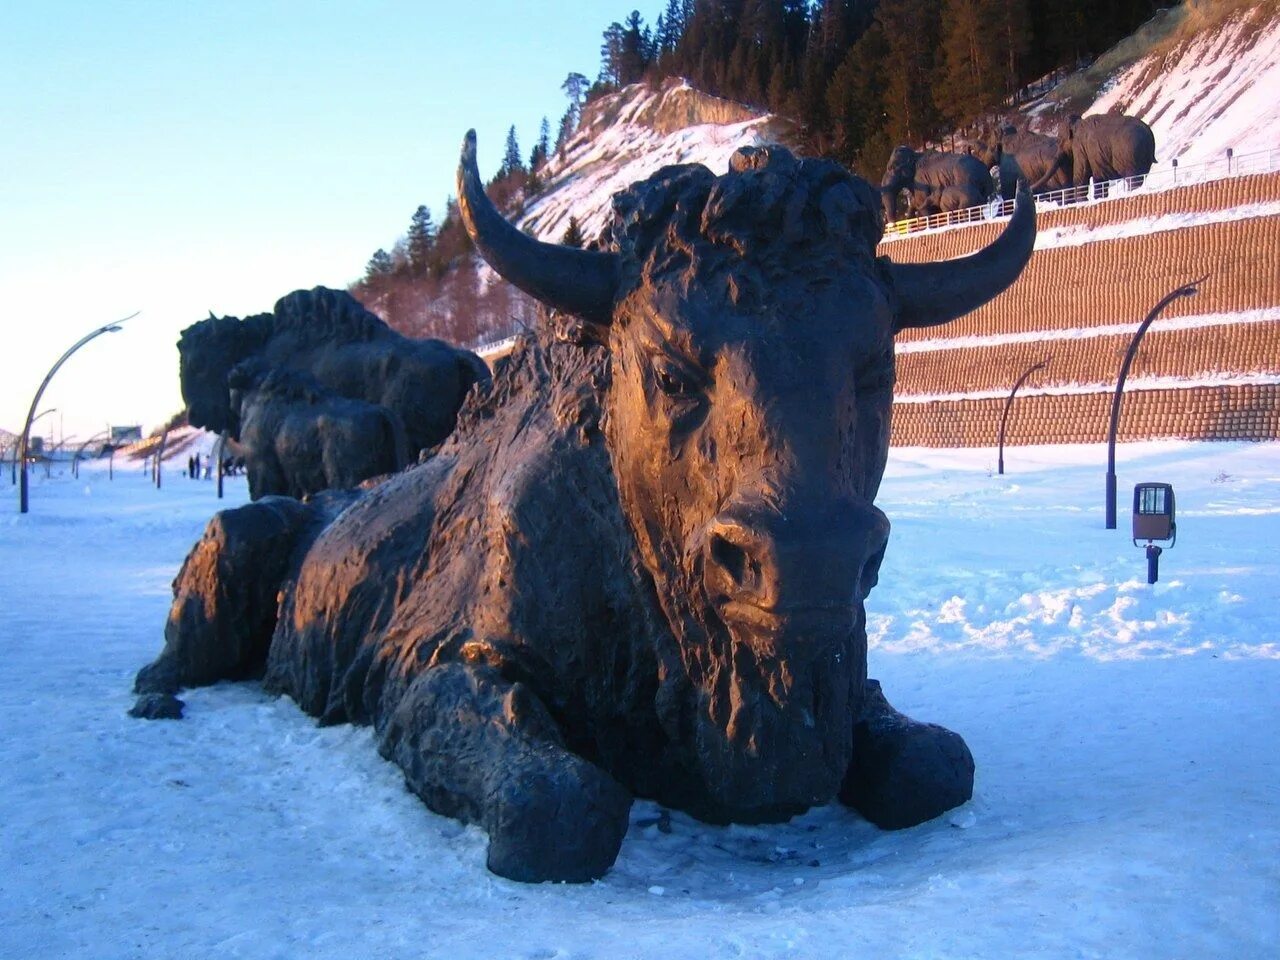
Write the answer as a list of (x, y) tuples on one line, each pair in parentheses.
[(75, 461), (17, 442), (1188, 290), (26, 430), (1004, 417)]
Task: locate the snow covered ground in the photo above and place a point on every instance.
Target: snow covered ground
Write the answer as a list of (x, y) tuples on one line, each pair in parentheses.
[(1126, 805)]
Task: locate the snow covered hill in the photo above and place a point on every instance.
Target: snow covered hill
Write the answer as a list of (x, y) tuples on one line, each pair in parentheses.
[(626, 137), (1207, 89)]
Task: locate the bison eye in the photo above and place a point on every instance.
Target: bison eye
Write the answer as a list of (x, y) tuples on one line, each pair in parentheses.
[(674, 380)]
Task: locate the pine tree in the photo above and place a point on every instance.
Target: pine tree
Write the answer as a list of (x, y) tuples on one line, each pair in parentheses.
[(911, 37), (541, 150), (1013, 40), (380, 265), (636, 50), (854, 98), (965, 72), (420, 241), (611, 55), (575, 87), (573, 234), (511, 162)]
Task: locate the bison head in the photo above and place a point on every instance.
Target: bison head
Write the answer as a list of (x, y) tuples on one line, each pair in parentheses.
[(751, 328), (207, 352)]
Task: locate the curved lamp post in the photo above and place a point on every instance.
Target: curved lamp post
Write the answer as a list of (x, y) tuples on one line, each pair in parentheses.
[(1188, 290), (75, 461), (1004, 417), (26, 430), (17, 441)]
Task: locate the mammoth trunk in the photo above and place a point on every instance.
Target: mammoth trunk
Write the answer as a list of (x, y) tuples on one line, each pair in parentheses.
[(889, 200)]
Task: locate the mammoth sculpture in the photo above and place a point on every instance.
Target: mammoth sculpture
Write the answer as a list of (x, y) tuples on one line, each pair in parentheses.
[(1105, 146), (299, 438), (1023, 156), (935, 182), (638, 566), (348, 351)]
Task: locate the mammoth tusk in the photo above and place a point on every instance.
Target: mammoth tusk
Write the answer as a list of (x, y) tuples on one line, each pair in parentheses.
[(934, 293), (581, 282)]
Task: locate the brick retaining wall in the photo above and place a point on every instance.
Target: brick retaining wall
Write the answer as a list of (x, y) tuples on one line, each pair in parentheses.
[(1200, 413), (1108, 282)]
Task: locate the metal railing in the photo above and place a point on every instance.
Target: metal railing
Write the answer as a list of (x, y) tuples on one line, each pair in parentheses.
[(1163, 177), (496, 346)]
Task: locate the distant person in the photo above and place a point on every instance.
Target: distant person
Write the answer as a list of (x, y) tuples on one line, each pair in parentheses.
[(191, 467), (196, 474)]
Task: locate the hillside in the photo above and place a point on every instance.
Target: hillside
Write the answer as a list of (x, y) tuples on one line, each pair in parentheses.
[(629, 135), (1204, 77), (1213, 90)]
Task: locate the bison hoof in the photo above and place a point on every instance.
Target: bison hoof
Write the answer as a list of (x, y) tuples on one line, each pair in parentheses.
[(561, 823), (904, 772), (157, 706)]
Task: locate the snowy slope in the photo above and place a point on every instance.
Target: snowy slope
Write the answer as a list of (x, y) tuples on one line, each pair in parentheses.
[(628, 136), (1125, 804), (1218, 89)]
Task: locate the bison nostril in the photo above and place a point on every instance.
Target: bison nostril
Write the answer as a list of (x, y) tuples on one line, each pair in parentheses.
[(870, 574), (730, 557)]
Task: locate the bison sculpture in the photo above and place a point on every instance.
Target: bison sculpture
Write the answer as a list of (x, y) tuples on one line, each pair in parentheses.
[(299, 438), (329, 337), (638, 566)]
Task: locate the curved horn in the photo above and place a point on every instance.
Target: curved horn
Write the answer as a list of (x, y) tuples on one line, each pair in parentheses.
[(581, 282), (934, 293)]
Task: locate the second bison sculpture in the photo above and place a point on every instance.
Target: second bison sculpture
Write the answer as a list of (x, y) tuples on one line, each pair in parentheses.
[(638, 566), (349, 359)]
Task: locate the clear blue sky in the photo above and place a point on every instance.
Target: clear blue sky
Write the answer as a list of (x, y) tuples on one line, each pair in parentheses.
[(177, 158)]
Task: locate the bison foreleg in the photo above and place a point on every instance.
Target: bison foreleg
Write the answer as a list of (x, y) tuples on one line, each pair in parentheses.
[(904, 772), (477, 747), (225, 598)]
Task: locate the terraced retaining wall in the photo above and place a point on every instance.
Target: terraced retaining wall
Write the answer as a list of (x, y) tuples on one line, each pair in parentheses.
[(1079, 304)]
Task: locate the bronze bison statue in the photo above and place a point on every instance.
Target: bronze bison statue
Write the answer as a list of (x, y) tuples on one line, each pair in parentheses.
[(638, 565), (299, 438), (348, 353)]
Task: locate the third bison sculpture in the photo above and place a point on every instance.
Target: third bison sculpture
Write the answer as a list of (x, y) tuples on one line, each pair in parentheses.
[(638, 565)]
